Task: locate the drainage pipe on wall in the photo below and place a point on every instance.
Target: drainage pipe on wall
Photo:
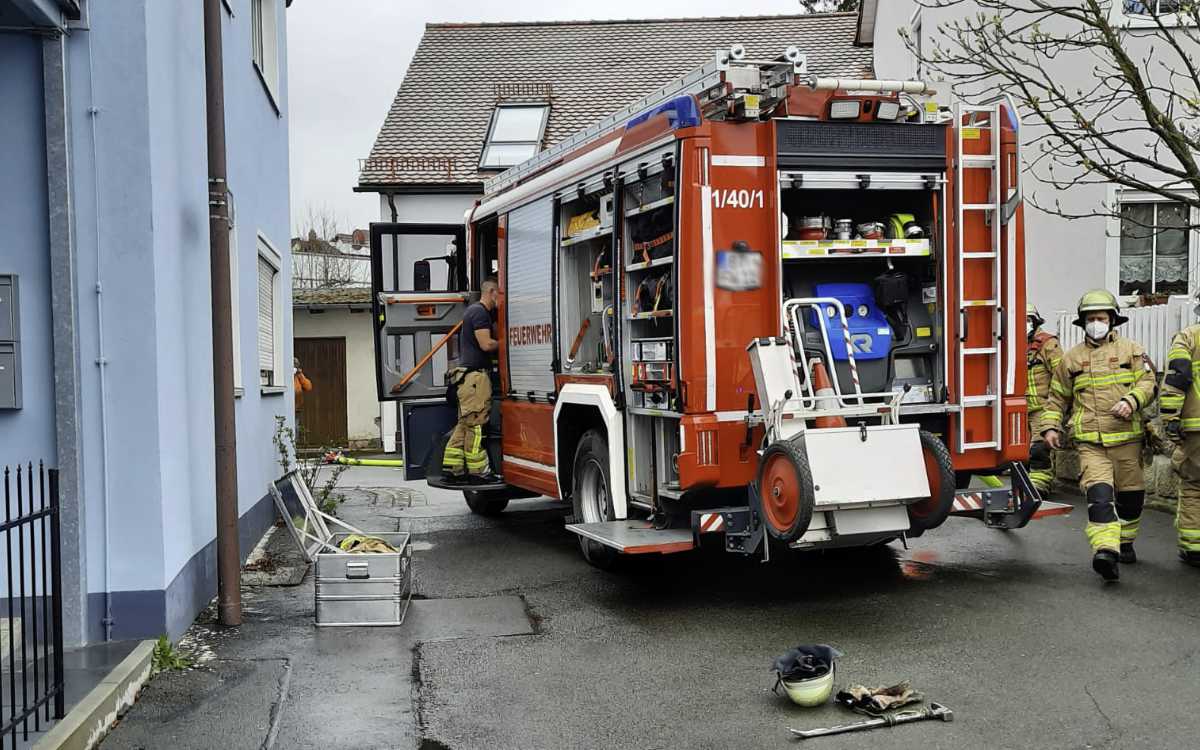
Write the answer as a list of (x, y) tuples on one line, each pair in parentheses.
[(229, 592), (101, 357)]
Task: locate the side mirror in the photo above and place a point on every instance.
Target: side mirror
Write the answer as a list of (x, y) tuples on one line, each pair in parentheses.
[(421, 276)]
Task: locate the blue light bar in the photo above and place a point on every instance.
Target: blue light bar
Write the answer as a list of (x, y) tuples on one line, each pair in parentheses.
[(682, 112)]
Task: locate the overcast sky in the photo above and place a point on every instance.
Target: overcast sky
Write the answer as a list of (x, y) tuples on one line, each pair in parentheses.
[(346, 59)]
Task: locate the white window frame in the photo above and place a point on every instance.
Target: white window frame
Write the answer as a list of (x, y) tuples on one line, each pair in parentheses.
[(914, 32), (1122, 17), (264, 46), (1117, 196), (267, 252), (537, 144)]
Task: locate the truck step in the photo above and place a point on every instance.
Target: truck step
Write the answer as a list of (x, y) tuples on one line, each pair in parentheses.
[(635, 537)]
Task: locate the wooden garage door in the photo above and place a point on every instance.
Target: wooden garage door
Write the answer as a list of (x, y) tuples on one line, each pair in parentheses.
[(322, 411)]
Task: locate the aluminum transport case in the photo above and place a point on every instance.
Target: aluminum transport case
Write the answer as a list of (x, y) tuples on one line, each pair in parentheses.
[(351, 589), (364, 589)]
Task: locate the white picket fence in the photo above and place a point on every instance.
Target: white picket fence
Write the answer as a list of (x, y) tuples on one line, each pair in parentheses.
[(1153, 327)]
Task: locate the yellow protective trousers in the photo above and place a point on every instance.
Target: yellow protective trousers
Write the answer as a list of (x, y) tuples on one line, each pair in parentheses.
[(1115, 486), (1186, 462), (466, 452)]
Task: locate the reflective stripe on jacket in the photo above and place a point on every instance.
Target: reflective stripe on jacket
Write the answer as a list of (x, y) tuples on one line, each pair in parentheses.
[(1041, 357), (1088, 383), (1183, 403)]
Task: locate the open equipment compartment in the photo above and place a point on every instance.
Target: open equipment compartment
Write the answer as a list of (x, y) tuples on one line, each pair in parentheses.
[(873, 241), (649, 241), (586, 223)]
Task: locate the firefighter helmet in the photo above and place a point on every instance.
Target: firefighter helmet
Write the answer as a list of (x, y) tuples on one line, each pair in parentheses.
[(1099, 299), (1031, 311)]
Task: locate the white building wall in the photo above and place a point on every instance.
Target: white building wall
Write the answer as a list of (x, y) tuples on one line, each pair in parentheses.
[(362, 405)]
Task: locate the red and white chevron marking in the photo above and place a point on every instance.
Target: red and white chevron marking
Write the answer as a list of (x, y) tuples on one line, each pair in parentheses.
[(973, 501), (710, 522)]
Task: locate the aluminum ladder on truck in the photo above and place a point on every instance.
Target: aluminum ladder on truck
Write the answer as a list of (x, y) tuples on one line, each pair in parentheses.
[(992, 214)]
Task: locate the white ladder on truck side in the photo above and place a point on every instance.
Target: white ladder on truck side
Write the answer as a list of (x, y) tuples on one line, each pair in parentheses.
[(992, 213)]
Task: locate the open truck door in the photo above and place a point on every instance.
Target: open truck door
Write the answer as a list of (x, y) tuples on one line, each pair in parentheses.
[(419, 292)]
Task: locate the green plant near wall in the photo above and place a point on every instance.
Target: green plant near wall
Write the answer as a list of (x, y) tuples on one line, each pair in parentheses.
[(166, 658), (320, 478)]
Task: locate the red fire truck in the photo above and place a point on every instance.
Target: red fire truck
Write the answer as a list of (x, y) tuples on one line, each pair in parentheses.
[(778, 307)]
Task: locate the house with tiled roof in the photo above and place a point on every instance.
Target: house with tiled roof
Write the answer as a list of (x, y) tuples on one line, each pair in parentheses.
[(478, 98)]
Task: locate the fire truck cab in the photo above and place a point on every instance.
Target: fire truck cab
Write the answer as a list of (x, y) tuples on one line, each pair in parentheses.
[(757, 303)]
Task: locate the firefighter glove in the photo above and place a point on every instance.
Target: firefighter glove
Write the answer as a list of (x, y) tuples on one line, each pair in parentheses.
[(1174, 430)]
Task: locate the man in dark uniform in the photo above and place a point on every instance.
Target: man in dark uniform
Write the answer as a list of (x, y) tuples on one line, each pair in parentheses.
[(466, 457)]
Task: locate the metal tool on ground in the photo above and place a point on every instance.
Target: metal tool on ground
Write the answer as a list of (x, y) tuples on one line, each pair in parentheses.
[(934, 711)]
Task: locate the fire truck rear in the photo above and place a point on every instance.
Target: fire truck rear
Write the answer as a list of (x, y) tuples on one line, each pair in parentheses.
[(758, 303)]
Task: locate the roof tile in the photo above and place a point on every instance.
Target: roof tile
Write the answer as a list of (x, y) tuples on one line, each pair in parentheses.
[(436, 126)]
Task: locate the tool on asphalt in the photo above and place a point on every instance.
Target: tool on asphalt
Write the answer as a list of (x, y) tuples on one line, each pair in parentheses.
[(879, 700), (934, 711)]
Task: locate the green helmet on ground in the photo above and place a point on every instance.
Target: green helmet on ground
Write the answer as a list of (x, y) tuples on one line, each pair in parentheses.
[(1031, 311), (1099, 299)]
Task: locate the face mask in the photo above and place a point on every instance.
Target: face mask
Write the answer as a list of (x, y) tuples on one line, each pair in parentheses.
[(1029, 328), (1096, 329)]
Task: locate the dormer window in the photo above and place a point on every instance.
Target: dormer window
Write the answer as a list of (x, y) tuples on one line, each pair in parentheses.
[(515, 134)]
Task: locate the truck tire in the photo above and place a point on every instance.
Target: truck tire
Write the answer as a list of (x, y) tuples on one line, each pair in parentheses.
[(482, 503), (932, 511), (784, 498), (591, 495)]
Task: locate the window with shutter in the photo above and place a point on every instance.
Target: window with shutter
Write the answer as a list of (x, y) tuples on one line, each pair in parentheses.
[(266, 322)]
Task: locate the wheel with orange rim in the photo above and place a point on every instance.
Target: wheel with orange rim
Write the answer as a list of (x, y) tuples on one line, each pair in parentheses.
[(932, 511), (784, 491)]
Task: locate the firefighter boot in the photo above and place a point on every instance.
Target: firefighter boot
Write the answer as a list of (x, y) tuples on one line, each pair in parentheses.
[(1105, 562), (1129, 510), (1103, 531)]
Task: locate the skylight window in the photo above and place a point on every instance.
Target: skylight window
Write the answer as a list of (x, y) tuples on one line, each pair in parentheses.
[(515, 135)]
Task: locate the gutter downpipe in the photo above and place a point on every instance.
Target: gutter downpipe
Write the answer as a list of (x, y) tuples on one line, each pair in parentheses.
[(229, 593), (101, 358), (391, 199)]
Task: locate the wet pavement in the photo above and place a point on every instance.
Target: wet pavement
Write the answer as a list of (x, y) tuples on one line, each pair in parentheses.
[(517, 643)]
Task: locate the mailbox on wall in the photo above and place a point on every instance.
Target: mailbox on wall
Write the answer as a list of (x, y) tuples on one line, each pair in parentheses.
[(10, 344)]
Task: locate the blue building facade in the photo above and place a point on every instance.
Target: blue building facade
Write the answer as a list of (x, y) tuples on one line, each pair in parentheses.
[(104, 211)]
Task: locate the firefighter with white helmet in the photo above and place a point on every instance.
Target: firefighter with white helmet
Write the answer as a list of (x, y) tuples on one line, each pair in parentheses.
[(1099, 389), (1180, 410), (1042, 355)]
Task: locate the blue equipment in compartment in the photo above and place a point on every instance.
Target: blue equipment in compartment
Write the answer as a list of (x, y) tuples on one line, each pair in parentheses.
[(870, 333)]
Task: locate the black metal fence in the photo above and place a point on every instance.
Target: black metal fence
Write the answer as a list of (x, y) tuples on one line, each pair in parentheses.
[(31, 650)]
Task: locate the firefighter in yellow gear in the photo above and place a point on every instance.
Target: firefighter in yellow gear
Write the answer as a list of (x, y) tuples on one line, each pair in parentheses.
[(1180, 410), (1099, 390), (465, 459), (1042, 355)]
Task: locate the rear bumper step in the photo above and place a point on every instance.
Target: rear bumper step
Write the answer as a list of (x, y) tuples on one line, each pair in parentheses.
[(635, 537)]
